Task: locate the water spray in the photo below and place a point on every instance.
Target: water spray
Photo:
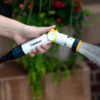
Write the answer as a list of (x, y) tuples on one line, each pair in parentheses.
[(76, 45)]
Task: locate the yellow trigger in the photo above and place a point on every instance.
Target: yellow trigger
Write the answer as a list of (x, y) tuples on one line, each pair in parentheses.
[(52, 35)]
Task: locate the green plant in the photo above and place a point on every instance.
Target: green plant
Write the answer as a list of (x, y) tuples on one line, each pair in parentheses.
[(45, 13), (5, 9)]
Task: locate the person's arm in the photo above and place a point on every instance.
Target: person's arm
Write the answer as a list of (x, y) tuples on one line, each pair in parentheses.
[(21, 33), (9, 27)]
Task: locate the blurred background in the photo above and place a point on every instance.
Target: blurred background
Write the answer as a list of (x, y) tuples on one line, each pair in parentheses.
[(73, 76)]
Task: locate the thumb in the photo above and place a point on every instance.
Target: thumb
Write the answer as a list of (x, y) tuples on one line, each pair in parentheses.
[(46, 29)]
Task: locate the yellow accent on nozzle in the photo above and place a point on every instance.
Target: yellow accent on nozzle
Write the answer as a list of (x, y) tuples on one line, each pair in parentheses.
[(78, 46), (54, 31)]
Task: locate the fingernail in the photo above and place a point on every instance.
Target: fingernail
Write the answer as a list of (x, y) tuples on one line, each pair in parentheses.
[(53, 25), (32, 55)]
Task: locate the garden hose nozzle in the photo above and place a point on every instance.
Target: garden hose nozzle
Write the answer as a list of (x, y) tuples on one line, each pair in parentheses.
[(52, 36), (62, 39)]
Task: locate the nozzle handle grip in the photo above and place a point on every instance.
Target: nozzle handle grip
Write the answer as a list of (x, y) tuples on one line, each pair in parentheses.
[(30, 45)]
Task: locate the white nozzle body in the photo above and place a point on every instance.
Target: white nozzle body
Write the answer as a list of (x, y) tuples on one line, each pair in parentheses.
[(30, 45), (60, 38), (52, 36), (63, 39)]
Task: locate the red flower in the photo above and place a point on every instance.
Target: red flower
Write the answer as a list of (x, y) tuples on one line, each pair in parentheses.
[(78, 8), (62, 4), (58, 4), (21, 6), (29, 6), (58, 20), (77, 5)]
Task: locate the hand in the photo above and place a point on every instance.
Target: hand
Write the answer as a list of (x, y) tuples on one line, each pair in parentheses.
[(30, 32)]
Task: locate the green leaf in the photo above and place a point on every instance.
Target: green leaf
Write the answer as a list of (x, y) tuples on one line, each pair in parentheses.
[(52, 12), (42, 15), (87, 13)]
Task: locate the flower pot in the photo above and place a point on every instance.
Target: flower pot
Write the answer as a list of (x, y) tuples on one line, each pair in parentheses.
[(14, 86), (64, 52), (13, 82)]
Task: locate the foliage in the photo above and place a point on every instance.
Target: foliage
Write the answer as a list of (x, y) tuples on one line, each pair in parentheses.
[(5, 9), (46, 13)]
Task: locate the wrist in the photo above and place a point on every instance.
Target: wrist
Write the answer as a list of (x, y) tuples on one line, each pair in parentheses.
[(19, 30)]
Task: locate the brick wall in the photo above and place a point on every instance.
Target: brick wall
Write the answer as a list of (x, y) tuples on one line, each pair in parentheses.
[(90, 1), (95, 80), (92, 35)]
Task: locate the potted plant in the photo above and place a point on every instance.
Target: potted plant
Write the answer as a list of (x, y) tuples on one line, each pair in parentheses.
[(44, 13)]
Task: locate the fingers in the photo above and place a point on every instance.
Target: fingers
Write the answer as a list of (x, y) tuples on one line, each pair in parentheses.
[(46, 29), (46, 47), (31, 32), (43, 49), (32, 54), (40, 50)]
